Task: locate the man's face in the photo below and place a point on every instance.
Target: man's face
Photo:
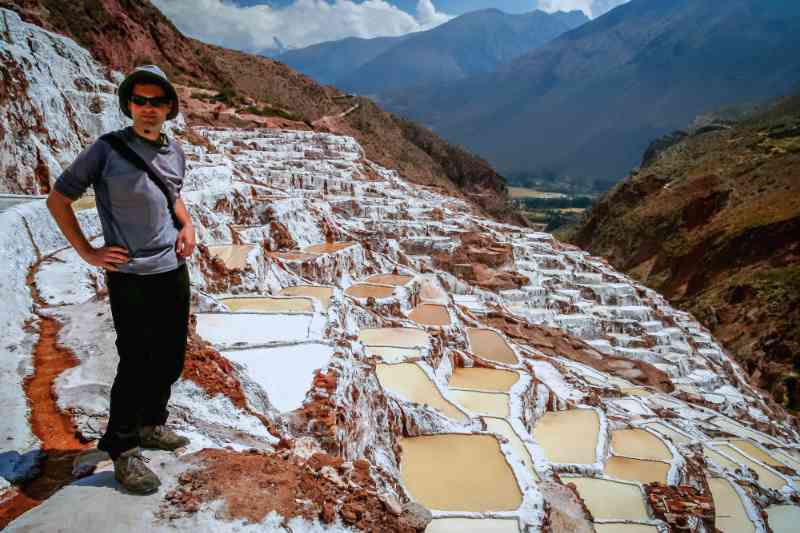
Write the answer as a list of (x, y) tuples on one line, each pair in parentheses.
[(148, 117)]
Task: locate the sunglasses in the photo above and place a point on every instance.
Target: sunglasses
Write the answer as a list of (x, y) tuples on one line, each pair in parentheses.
[(155, 101)]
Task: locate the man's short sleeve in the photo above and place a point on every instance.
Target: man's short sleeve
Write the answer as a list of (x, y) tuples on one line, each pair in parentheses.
[(83, 171)]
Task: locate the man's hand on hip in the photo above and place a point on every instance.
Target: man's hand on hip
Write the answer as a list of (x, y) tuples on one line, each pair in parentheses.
[(184, 246), (106, 257)]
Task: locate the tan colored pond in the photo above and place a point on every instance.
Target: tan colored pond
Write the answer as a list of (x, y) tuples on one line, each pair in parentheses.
[(321, 293), (731, 516), (755, 452), (428, 292), (485, 403), (568, 436), (766, 477), (389, 279), (489, 345), (458, 473), (233, 255), (610, 499), (430, 315), (637, 470), (624, 528), (364, 290), (488, 379), (327, 247), (86, 201), (398, 337), (390, 354), (472, 525), (783, 518), (719, 459), (667, 431), (293, 256), (269, 305), (411, 382), (639, 444), (502, 427), (636, 391)]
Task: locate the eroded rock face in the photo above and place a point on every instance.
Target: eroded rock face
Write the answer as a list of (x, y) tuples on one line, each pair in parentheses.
[(623, 376)]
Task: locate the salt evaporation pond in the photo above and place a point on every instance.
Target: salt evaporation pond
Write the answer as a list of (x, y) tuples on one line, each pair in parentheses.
[(488, 344), (639, 444), (472, 525), (397, 337), (756, 453), (365, 290), (488, 379), (608, 500), (441, 472), (234, 256), (766, 477), (668, 431), (268, 304), (389, 279), (731, 515), (430, 315), (241, 329), (284, 372), (485, 403), (326, 248), (502, 427), (783, 518), (629, 469), (320, 292), (410, 381), (568, 436)]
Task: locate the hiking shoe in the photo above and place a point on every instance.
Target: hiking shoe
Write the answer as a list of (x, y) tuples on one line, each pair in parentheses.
[(132, 473), (161, 438)]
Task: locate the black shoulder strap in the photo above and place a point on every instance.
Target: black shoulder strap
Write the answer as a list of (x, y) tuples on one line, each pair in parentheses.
[(136, 160)]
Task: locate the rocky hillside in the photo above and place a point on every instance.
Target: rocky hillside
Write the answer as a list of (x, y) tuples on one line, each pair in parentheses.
[(223, 86), (712, 221)]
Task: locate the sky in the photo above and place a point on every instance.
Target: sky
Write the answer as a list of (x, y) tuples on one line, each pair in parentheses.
[(259, 25)]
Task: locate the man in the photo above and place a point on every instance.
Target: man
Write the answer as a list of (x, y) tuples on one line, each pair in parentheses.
[(145, 267)]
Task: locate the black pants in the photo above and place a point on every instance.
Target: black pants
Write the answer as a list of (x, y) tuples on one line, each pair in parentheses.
[(151, 317)]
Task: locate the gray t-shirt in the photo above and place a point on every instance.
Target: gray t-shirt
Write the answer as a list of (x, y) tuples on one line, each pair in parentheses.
[(133, 211)]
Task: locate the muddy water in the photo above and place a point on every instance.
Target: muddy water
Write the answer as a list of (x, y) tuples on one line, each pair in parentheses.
[(568, 436), (783, 518), (269, 305), (364, 290), (233, 255), (430, 315), (731, 516), (636, 470), (408, 380), (639, 444), (472, 525), (489, 345), (624, 528), (766, 477), (458, 473), (610, 499), (485, 403), (755, 452), (389, 279), (487, 379), (327, 247), (502, 427), (667, 431), (323, 294), (398, 337)]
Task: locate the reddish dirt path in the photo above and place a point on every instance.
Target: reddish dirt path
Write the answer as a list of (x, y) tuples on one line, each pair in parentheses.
[(54, 428)]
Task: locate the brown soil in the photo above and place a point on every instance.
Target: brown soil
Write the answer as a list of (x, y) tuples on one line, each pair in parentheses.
[(478, 260)]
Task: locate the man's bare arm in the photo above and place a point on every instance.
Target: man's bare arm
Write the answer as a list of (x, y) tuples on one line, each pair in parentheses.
[(60, 207), (185, 244)]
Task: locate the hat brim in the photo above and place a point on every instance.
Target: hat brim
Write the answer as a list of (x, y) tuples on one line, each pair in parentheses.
[(126, 88)]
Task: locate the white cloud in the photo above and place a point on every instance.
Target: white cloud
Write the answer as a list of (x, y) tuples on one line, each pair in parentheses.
[(592, 8), (302, 23)]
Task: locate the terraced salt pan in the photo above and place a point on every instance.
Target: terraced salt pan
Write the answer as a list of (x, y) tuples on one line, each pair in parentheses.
[(734, 428), (755, 452), (396, 280), (485, 403), (87, 201), (486, 379), (365, 290), (410, 381), (608, 500), (430, 315), (234, 256), (320, 292), (326, 248), (731, 516), (503, 427), (568, 436), (668, 431), (472, 525), (266, 304), (783, 518), (629, 469), (455, 472), (490, 345), (390, 354), (286, 372), (396, 337), (624, 528), (639, 444), (241, 329), (766, 477), (719, 459)]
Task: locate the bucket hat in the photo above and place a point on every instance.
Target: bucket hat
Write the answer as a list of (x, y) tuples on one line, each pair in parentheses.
[(146, 74)]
